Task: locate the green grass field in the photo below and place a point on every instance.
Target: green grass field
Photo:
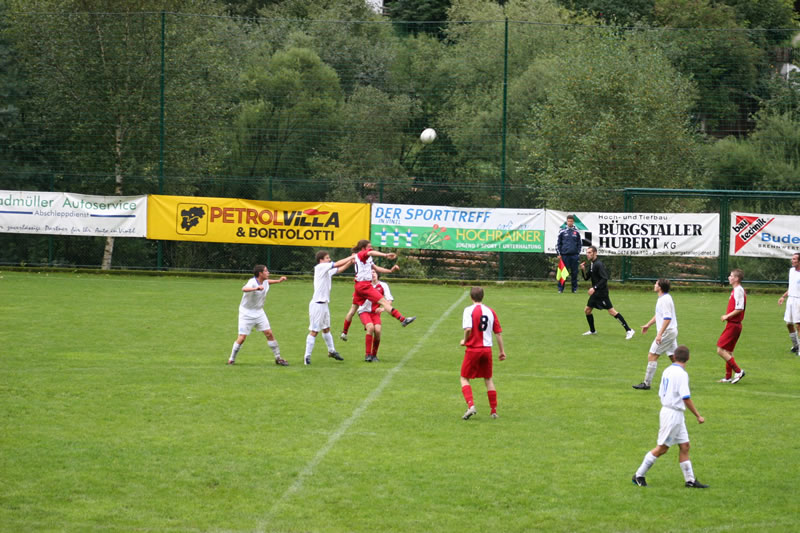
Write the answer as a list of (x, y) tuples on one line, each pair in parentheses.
[(120, 414)]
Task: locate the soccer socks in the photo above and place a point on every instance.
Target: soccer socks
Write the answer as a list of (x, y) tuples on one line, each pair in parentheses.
[(398, 315), (368, 344), (273, 345), (734, 366), (310, 340), (728, 370), (649, 460), (492, 400), (346, 327), (466, 390), (793, 336), (376, 341), (328, 338), (686, 468), (234, 351), (650, 372), (622, 321), (590, 320)]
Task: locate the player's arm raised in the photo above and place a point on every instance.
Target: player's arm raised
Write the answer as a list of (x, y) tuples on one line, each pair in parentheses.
[(390, 255)]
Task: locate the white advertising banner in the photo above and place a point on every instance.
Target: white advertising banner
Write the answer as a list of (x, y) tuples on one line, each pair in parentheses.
[(62, 213), (764, 235), (471, 229), (641, 234)]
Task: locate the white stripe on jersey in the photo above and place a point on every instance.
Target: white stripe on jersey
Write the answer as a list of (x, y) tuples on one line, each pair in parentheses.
[(363, 265), (481, 319)]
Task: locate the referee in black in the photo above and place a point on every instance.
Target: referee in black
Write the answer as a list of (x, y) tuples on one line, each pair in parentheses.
[(598, 292)]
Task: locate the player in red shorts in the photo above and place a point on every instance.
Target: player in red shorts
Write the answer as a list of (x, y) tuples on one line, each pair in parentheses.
[(371, 318), (733, 328), (479, 322), (364, 291)]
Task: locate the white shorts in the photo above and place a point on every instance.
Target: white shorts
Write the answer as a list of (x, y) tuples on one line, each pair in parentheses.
[(669, 343), (672, 427), (792, 314), (319, 316), (247, 323)]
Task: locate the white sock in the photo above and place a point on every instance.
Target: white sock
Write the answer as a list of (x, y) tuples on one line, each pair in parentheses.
[(234, 351), (310, 340), (273, 345), (649, 460), (688, 473), (650, 372), (329, 342), (793, 336)]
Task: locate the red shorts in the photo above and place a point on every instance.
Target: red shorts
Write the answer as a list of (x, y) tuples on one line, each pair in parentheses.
[(365, 291), (370, 318), (730, 336), (477, 363)]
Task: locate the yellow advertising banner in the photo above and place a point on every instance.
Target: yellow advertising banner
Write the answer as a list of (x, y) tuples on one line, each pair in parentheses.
[(189, 218)]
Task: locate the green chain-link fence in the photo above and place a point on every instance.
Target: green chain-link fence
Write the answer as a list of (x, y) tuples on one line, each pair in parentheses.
[(533, 115)]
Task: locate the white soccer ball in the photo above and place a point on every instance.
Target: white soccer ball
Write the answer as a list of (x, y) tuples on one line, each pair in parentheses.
[(428, 135)]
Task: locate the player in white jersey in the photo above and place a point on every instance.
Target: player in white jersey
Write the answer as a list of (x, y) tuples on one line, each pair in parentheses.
[(252, 315), (675, 399), (479, 322), (319, 315), (792, 296), (666, 339)]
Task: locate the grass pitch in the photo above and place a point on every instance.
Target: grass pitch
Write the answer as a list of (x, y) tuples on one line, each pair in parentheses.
[(119, 414)]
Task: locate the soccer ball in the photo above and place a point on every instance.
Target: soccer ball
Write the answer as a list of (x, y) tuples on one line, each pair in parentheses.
[(428, 135)]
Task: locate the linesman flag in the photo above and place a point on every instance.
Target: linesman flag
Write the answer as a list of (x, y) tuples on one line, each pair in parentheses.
[(561, 274)]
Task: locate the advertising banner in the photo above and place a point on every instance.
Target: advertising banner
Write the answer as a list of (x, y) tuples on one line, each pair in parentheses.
[(642, 234), (189, 218), (764, 235), (63, 213), (470, 229)]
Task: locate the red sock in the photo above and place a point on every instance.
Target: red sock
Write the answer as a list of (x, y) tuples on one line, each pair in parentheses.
[(466, 390), (734, 366), (492, 400), (397, 315), (368, 344), (376, 341), (346, 327), (728, 370)]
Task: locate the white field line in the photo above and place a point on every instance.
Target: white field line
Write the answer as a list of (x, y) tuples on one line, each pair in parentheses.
[(308, 470)]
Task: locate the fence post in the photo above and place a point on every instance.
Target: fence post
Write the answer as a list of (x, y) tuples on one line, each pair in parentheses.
[(161, 128), (505, 126), (724, 235)]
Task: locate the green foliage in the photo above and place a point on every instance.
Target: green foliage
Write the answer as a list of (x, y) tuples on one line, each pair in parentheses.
[(769, 159), (614, 115), (425, 16), (723, 64), (621, 12), (286, 103)]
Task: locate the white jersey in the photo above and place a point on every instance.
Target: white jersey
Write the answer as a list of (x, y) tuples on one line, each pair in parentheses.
[(674, 387), (665, 309), (323, 273), (363, 265), (794, 283), (366, 307), (253, 302)]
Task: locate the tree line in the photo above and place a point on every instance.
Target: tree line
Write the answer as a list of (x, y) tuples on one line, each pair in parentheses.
[(537, 103)]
